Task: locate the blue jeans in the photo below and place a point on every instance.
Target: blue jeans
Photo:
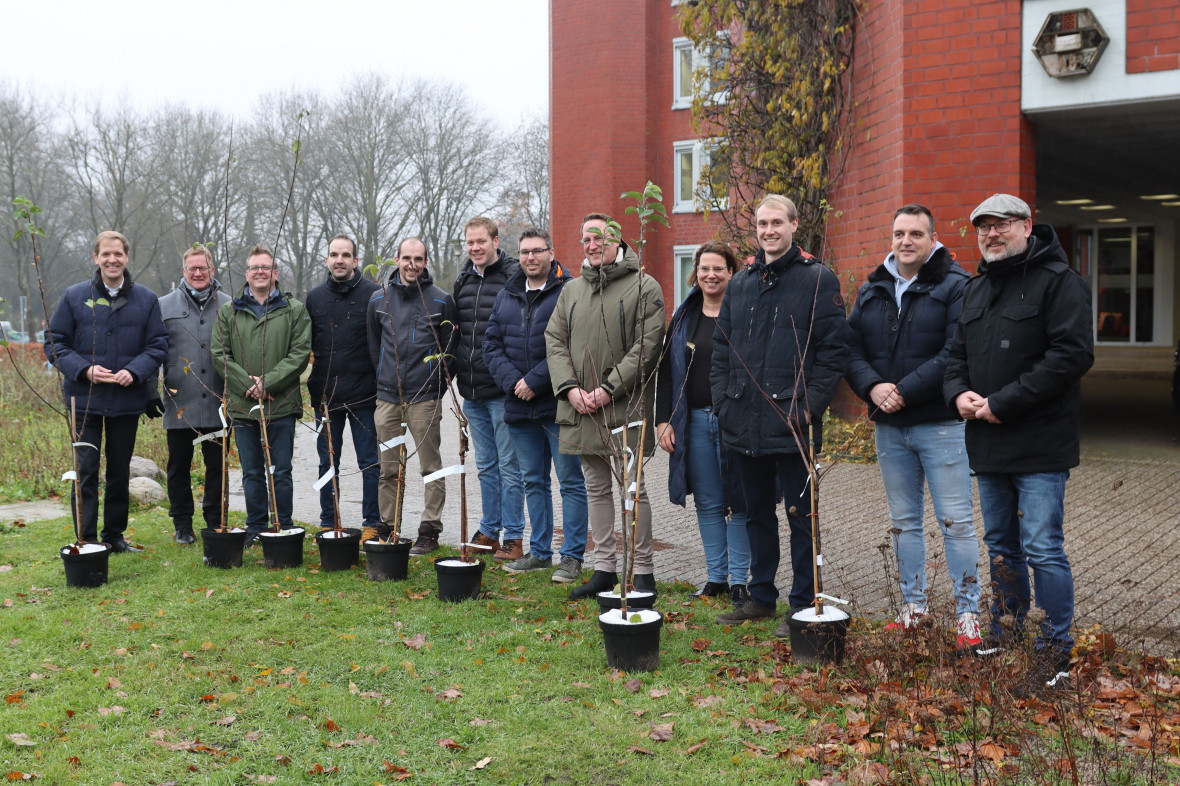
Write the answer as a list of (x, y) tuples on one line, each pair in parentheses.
[(1023, 518), (248, 437), (934, 453), (727, 546), (758, 484), (536, 444), (500, 489), (364, 442)]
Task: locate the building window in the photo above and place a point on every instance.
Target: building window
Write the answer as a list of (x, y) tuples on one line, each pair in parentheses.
[(699, 183), (1119, 263), (681, 268), (687, 60)]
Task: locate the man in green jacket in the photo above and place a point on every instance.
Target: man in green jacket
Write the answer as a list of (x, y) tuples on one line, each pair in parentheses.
[(603, 346), (262, 344)]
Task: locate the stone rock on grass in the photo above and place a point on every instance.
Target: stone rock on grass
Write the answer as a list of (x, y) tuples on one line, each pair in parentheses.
[(144, 468), (146, 492)]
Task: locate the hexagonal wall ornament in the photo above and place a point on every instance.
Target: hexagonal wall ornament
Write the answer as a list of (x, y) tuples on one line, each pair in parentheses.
[(1070, 43)]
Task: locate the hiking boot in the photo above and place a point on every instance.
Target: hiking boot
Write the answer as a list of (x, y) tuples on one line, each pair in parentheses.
[(492, 545), (427, 541), (1048, 675), (909, 619), (738, 594), (967, 631), (512, 550), (600, 581), (184, 532), (528, 563), (570, 570), (712, 589), (750, 610), (644, 582)]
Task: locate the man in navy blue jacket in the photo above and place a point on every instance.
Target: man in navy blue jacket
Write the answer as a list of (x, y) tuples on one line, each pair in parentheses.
[(107, 339)]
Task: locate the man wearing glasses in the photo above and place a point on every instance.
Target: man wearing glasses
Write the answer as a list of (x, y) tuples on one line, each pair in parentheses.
[(1023, 342), (262, 343), (192, 390), (514, 350), (603, 345)]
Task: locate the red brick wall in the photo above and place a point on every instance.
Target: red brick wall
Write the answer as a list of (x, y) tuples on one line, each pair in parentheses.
[(1153, 35), (922, 130), (596, 155)]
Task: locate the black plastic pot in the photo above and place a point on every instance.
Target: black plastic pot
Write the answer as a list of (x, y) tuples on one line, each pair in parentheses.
[(387, 561), (632, 646), (86, 570), (339, 553), (223, 549), (815, 642), (284, 550), (636, 599), (458, 582)]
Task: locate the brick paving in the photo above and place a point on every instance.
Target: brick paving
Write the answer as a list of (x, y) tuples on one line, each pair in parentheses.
[(1122, 533)]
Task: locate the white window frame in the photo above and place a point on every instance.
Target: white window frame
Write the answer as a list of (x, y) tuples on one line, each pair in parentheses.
[(700, 150), (680, 273), (698, 61)]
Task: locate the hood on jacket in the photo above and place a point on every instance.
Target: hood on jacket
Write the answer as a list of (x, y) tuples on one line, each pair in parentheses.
[(516, 282), (933, 271), (626, 262), (346, 286)]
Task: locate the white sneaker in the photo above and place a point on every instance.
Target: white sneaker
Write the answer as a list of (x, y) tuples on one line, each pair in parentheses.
[(910, 618), (968, 631)]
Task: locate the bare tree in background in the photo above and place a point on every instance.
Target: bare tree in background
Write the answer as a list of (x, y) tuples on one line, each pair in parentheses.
[(524, 199)]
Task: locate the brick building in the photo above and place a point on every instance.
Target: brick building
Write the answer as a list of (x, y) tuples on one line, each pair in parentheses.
[(953, 105)]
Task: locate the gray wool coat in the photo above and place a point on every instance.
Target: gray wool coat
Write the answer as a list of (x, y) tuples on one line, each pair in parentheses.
[(192, 384)]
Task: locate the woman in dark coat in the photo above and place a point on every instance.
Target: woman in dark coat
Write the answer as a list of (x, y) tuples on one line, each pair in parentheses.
[(687, 428)]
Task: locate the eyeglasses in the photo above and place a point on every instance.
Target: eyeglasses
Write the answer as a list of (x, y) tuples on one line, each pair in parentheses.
[(259, 268), (197, 268), (533, 252), (1000, 226)]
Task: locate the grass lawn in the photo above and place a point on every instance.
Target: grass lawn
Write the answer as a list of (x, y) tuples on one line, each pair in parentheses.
[(177, 673)]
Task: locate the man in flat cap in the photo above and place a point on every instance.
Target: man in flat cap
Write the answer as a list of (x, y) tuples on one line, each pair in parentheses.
[(1024, 340)]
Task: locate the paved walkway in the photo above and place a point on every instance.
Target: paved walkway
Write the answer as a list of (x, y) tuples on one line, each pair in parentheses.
[(1122, 520), (1122, 529)]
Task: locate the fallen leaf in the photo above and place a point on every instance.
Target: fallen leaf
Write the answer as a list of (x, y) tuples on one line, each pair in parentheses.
[(451, 693), (700, 645), (115, 710), (633, 685), (5, 568), (416, 642), (24, 776), (330, 725), (637, 749), (868, 773), (478, 722), (15, 698), (113, 683), (260, 778), (696, 747), (20, 738), (449, 743), (319, 769), (402, 772), (209, 593), (659, 693), (228, 720), (252, 736), (485, 761), (707, 701), (661, 732)]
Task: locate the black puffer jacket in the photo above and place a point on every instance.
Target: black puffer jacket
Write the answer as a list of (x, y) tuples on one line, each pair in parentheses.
[(342, 373), (774, 354), (907, 348), (410, 333), (1024, 340), (514, 347), (474, 297)]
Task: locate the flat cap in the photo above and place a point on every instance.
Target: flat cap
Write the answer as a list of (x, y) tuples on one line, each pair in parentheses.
[(1001, 206)]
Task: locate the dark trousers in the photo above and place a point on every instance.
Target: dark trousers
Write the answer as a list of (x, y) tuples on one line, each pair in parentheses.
[(758, 484), (280, 433), (120, 444), (364, 442), (180, 486)]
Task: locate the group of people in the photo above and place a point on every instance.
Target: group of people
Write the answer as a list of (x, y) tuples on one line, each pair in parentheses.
[(961, 375)]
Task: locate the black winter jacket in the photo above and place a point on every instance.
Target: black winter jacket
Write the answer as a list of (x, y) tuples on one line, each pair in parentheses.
[(411, 329), (90, 327), (908, 348), (342, 373), (781, 346), (474, 297), (514, 345), (1024, 339)]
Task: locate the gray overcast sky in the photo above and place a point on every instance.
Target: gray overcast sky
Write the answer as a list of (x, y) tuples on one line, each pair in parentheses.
[(224, 54)]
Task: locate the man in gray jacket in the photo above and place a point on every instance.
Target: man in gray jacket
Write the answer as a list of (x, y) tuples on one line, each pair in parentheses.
[(192, 391)]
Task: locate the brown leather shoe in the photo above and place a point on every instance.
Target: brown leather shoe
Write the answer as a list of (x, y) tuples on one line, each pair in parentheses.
[(481, 539), (511, 551), (427, 541)]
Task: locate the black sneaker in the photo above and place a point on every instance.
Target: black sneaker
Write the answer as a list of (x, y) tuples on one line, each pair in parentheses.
[(712, 589), (750, 610), (600, 581), (738, 594)]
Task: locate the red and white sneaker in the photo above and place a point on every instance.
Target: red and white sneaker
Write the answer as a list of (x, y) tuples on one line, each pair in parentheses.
[(968, 631), (910, 618)]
